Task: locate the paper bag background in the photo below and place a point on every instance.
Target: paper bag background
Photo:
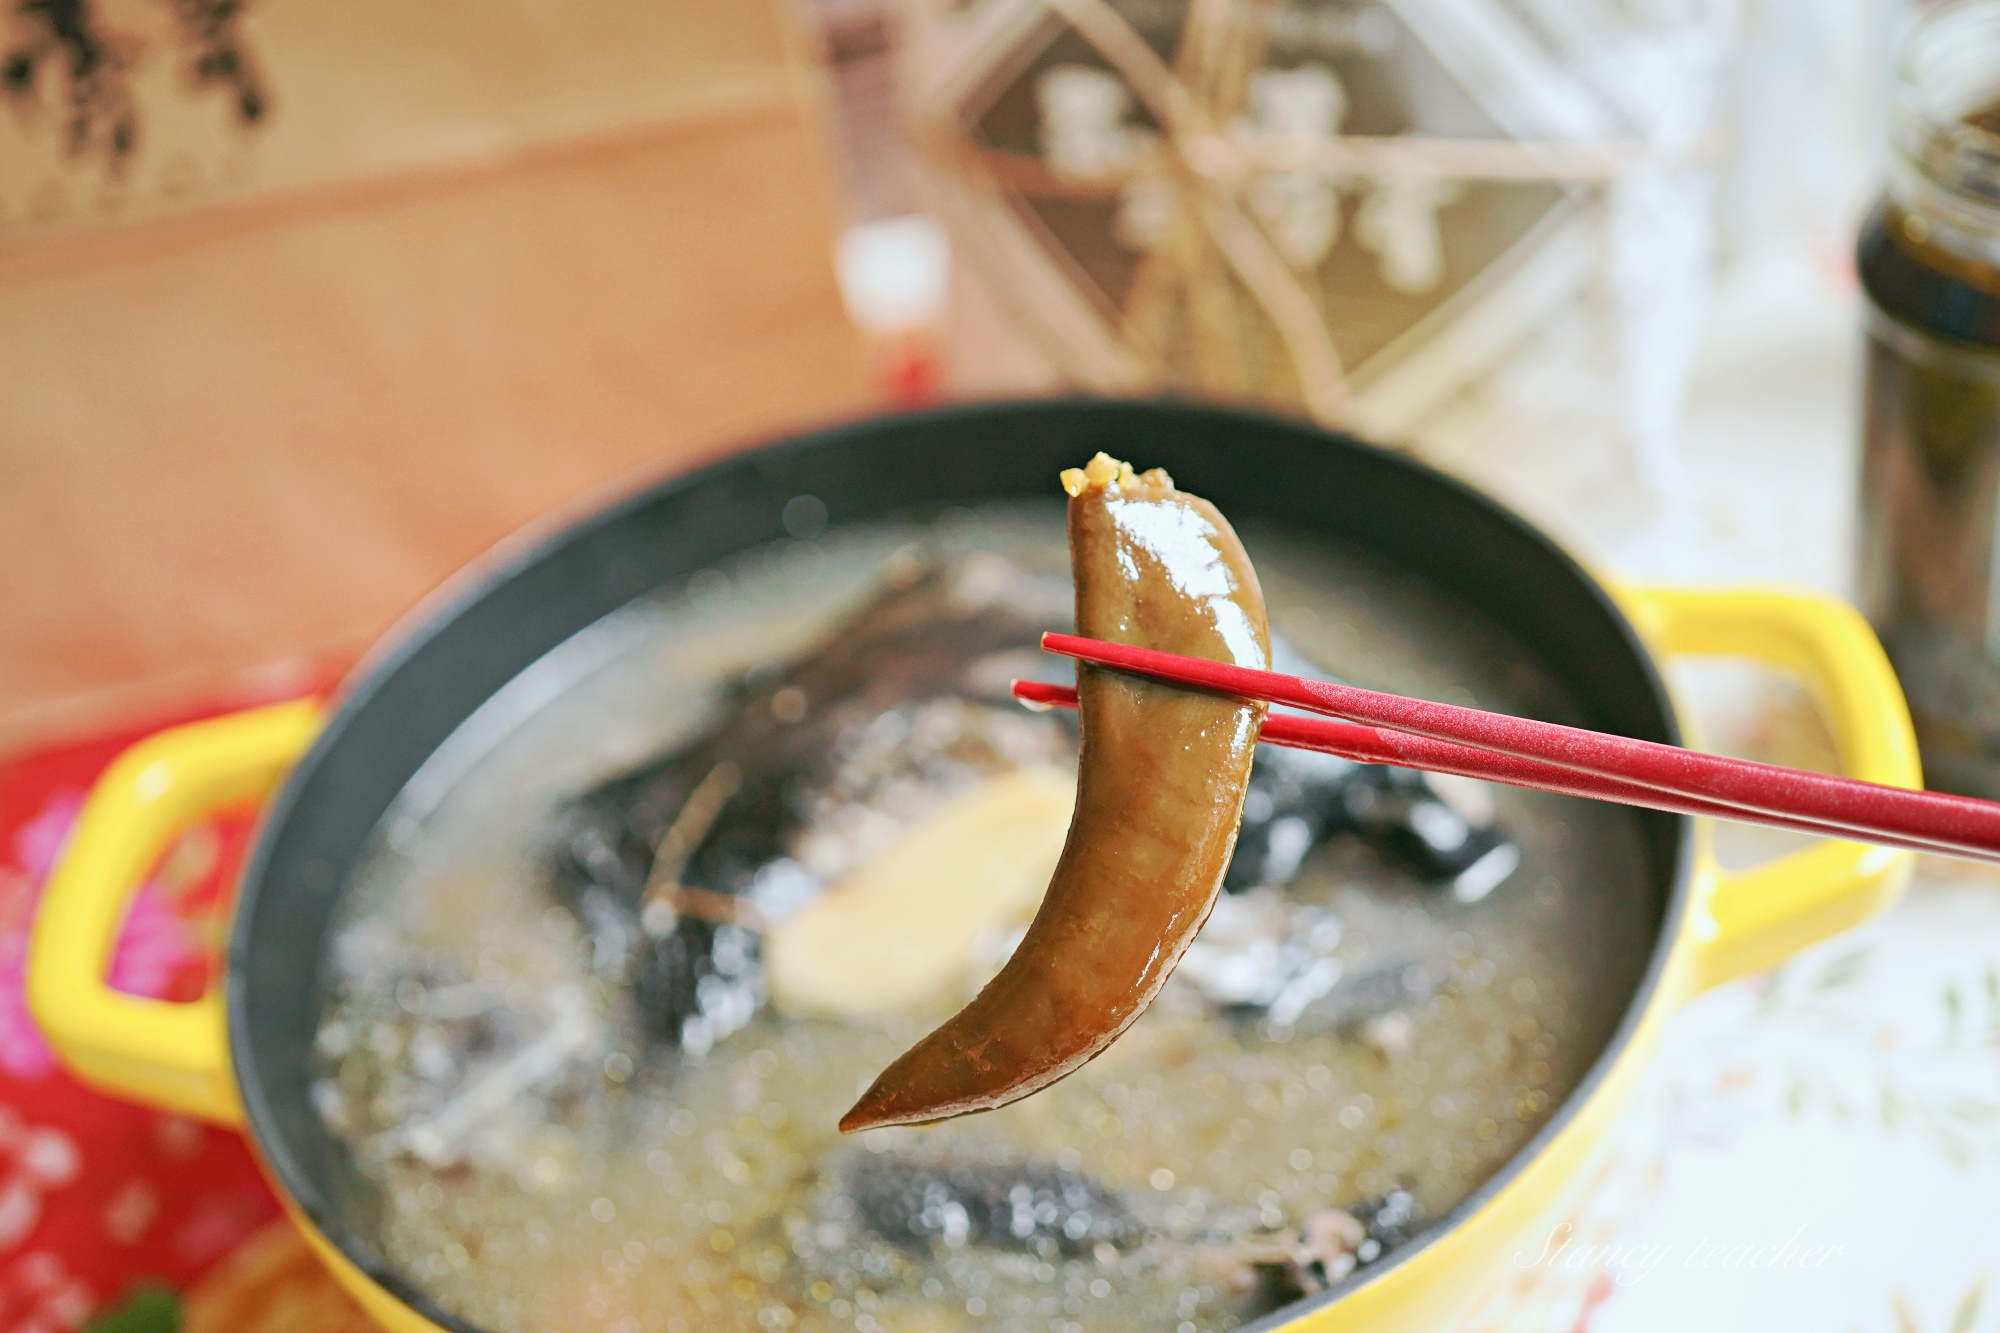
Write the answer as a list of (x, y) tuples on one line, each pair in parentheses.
[(263, 383)]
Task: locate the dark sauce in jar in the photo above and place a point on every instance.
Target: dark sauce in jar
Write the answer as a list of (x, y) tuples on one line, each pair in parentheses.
[(1929, 261)]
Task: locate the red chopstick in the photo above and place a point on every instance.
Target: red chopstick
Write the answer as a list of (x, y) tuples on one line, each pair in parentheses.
[(1376, 745), (1577, 762)]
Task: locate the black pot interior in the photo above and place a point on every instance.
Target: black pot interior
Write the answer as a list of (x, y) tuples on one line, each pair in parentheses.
[(499, 619)]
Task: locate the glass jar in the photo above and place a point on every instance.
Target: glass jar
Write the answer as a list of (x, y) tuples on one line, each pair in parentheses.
[(1929, 257)]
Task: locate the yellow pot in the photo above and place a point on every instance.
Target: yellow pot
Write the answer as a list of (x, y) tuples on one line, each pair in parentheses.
[(238, 1055)]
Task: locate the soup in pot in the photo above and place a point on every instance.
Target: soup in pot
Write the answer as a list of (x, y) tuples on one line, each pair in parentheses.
[(622, 953)]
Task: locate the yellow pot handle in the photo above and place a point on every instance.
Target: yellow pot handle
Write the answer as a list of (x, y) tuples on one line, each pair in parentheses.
[(1749, 920), (170, 1055)]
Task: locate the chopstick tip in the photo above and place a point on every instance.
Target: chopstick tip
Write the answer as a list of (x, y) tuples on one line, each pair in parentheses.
[(1024, 695)]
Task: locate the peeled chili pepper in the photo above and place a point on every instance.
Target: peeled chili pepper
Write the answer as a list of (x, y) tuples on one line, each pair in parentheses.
[(1160, 790)]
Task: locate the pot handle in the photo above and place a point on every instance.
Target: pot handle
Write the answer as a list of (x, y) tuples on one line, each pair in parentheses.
[(170, 1055), (1746, 921)]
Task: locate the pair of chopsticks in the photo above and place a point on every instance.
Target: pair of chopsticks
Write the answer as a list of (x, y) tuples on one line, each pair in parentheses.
[(1375, 728)]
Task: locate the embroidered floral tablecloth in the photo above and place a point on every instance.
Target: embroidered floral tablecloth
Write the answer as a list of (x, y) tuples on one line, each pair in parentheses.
[(1816, 1149)]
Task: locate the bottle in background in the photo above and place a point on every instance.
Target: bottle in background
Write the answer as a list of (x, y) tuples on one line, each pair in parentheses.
[(1929, 256)]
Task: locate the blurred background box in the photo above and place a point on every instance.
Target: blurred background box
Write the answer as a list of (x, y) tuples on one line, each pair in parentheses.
[(1592, 257), (1378, 212), (303, 305)]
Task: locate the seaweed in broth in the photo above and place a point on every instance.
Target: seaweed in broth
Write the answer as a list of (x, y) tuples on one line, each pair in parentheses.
[(561, 1114)]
